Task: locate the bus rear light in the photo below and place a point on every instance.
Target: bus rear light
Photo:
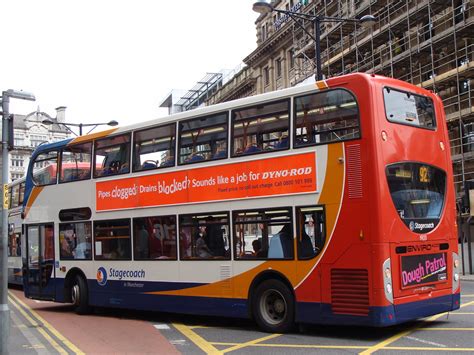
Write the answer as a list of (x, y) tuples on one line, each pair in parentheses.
[(384, 136), (387, 280), (456, 271), (441, 145)]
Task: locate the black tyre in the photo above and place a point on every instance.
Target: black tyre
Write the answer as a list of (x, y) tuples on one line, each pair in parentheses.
[(273, 307), (80, 295)]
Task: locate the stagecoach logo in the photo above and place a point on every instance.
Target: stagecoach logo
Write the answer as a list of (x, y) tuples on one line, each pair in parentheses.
[(101, 276), (419, 227)]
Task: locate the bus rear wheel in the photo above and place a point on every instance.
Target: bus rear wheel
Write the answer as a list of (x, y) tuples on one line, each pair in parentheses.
[(80, 296), (273, 307)]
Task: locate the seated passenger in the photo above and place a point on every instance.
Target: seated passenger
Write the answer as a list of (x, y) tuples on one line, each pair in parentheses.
[(258, 252), (220, 153), (194, 158), (282, 143), (251, 148)]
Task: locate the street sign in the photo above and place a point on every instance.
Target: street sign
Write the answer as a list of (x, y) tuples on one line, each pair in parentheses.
[(5, 196)]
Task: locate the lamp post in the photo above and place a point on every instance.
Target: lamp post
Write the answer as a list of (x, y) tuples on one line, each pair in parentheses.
[(50, 121), (265, 7), (4, 310)]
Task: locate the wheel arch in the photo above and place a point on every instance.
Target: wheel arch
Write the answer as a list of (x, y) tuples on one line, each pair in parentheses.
[(69, 282), (263, 276)]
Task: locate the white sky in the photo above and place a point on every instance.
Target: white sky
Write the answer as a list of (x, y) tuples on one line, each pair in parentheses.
[(115, 59)]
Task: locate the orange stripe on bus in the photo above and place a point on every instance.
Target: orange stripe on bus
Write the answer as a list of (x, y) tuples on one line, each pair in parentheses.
[(33, 196), (330, 197), (322, 84), (89, 137)]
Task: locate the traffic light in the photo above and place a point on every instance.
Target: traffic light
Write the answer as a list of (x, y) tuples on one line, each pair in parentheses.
[(11, 134)]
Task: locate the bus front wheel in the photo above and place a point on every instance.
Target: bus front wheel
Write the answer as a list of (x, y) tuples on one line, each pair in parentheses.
[(80, 296), (274, 307)]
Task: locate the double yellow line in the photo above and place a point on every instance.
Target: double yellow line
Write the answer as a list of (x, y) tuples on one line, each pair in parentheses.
[(61, 344)]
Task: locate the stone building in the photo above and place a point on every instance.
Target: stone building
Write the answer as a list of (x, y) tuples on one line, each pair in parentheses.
[(29, 132), (429, 43)]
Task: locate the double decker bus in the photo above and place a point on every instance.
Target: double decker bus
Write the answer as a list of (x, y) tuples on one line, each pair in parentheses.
[(16, 192), (328, 203)]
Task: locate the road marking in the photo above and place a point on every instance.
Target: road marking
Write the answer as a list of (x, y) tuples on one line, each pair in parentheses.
[(162, 326), (34, 342), (426, 341), (395, 337), (467, 295), (252, 342), (39, 327), (444, 329), (296, 346), (48, 326), (461, 313), (416, 348), (199, 341)]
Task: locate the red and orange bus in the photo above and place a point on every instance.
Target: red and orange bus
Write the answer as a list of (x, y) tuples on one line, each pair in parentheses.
[(327, 203)]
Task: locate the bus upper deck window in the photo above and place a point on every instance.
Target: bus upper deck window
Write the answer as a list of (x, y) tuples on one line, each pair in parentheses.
[(154, 147), (203, 138), (326, 117), (408, 108), (45, 168), (112, 156), (261, 128), (76, 162)]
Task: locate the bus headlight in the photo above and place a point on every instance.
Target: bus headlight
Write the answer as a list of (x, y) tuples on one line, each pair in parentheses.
[(389, 288), (456, 263), (388, 273), (456, 277)]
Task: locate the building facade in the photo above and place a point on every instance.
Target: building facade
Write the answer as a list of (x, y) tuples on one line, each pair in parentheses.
[(29, 132), (429, 43)]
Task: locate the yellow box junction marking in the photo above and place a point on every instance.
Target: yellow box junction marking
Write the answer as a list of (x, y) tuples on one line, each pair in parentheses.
[(383, 344)]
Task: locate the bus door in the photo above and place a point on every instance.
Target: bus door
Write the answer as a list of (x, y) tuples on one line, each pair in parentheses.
[(39, 269)]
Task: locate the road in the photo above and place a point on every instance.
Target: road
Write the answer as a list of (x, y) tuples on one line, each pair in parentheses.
[(45, 328)]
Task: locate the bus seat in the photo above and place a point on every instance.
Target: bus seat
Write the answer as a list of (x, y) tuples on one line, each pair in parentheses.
[(195, 158), (252, 149), (220, 154), (167, 162), (275, 250), (148, 164)]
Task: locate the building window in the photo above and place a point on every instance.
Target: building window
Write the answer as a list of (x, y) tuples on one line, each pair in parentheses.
[(278, 67), (17, 160), (19, 140), (36, 140), (464, 86), (291, 58), (266, 76)]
